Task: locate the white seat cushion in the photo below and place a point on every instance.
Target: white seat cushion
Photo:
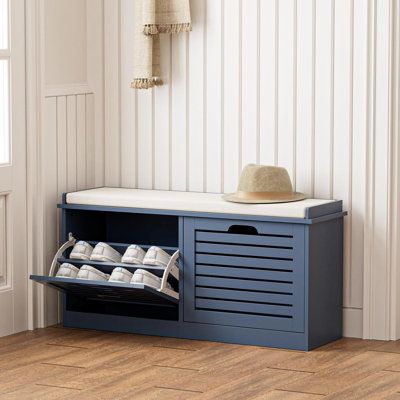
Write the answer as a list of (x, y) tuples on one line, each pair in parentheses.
[(104, 252), (187, 201), (67, 271), (121, 275), (81, 251), (90, 273), (147, 278), (134, 254)]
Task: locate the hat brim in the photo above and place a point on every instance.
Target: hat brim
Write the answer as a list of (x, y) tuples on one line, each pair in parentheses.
[(297, 196)]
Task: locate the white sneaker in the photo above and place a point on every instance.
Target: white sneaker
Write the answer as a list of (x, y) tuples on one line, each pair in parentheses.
[(90, 273), (134, 254), (147, 278), (156, 256), (67, 271), (120, 275), (104, 252), (81, 251)]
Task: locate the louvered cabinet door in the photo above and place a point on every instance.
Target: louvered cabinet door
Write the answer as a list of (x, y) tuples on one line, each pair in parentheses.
[(244, 273)]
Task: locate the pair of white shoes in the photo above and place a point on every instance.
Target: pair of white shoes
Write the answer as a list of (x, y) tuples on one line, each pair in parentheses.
[(134, 254), (119, 275), (122, 275), (88, 272)]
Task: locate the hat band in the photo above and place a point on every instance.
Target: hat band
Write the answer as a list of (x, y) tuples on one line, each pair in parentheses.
[(264, 195)]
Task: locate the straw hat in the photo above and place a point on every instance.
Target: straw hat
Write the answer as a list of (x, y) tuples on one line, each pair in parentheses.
[(264, 184)]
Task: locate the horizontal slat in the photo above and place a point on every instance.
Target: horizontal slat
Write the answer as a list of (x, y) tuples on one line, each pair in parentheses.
[(262, 286), (249, 273), (260, 240), (250, 321), (240, 227), (230, 294), (218, 248), (237, 261), (242, 307)]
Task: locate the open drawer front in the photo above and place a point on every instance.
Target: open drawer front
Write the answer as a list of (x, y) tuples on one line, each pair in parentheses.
[(113, 292), (133, 293)]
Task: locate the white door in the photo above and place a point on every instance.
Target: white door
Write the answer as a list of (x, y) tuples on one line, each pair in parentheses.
[(13, 235)]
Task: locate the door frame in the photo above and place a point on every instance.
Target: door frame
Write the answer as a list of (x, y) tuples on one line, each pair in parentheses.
[(13, 292), (34, 20)]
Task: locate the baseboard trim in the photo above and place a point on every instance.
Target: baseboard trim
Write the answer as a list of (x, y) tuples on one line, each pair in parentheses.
[(353, 322)]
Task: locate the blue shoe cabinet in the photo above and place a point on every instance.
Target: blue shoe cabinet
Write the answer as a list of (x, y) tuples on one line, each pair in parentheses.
[(251, 279)]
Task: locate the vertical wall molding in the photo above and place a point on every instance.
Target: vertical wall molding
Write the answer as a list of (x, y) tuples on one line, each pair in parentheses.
[(395, 177), (34, 107), (381, 256)]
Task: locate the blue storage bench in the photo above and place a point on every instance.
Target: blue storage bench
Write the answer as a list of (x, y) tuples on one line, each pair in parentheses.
[(265, 274)]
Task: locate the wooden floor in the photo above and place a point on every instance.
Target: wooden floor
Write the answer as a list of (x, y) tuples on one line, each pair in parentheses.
[(59, 363)]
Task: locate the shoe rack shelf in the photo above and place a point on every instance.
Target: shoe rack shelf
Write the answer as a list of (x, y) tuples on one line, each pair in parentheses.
[(267, 275)]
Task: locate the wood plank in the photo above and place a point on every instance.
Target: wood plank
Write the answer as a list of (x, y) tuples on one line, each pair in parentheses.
[(90, 141), (286, 85), (62, 170), (375, 387), (342, 114), (71, 144), (145, 138), (214, 95), (14, 379), (304, 98), (178, 104), (284, 395), (217, 248), (359, 127), (81, 151), (112, 125), (340, 376), (95, 77), (196, 80), (232, 93), (49, 176), (162, 120), (268, 37), (328, 356), (249, 106), (248, 273), (391, 347), (323, 100), (244, 361), (128, 98), (34, 392), (379, 270), (252, 385)]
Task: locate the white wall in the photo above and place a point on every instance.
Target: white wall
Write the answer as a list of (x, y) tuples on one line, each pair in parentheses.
[(65, 36), (301, 84)]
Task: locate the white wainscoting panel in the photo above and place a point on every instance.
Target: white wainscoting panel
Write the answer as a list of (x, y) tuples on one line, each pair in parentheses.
[(285, 82), (68, 150)]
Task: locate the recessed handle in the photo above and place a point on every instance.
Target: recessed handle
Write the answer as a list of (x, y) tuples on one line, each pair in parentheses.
[(243, 230)]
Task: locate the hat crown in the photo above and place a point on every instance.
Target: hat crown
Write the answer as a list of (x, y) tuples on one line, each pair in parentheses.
[(264, 178)]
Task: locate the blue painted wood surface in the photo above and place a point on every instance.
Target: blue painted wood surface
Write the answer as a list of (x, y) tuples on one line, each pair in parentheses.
[(257, 280)]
